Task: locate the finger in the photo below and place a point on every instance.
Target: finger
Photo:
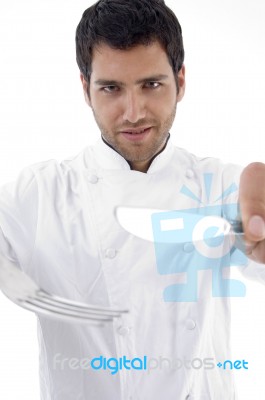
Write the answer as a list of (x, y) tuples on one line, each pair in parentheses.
[(258, 252), (252, 201)]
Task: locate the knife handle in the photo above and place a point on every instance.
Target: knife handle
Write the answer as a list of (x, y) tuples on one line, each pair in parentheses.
[(237, 226)]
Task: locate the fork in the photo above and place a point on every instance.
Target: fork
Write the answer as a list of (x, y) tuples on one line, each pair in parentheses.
[(23, 291)]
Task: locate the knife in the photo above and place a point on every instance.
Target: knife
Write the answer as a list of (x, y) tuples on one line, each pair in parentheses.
[(176, 226)]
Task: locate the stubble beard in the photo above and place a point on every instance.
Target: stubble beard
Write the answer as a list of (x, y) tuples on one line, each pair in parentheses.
[(136, 151)]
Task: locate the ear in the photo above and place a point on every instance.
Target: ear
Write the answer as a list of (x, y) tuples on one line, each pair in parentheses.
[(181, 83), (85, 89)]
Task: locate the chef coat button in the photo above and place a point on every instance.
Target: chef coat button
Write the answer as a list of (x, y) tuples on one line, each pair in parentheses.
[(190, 324), (123, 330), (188, 247), (92, 178), (110, 253), (189, 173)]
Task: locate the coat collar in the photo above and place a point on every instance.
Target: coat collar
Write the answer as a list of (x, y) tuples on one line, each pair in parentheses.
[(108, 158)]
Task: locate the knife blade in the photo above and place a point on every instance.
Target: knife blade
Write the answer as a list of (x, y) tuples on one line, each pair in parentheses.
[(175, 226)]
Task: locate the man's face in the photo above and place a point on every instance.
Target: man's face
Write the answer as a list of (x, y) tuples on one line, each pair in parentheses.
[(133, 95)]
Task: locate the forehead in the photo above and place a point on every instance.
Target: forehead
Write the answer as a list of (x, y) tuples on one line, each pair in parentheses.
[(129, 64)]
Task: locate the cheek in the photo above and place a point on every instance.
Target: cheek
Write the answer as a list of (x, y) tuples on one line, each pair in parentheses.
[(111, 112), (172, 98), (164, 105), (101, 109), (108, 114)]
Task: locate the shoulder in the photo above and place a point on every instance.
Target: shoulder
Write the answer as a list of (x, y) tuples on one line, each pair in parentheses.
[(42, 175), (204, 165)]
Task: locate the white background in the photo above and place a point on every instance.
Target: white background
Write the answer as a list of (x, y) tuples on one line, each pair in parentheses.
[(44, 116)]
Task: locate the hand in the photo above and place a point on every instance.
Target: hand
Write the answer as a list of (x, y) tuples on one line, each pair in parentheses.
[(252, 206)]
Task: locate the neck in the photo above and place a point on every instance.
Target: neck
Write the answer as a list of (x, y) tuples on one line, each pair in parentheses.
[(141, 166)]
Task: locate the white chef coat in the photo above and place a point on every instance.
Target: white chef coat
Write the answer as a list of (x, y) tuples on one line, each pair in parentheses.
[(58, 225)]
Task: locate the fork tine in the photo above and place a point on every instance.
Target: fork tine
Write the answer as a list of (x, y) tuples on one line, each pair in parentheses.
[(63, 311), (76, 306), (23, 291), (39, 308)]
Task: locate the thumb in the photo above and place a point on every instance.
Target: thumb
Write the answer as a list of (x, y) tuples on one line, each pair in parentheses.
[(252, 201)]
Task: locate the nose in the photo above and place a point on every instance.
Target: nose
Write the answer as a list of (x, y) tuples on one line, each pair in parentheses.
[(134, 107)]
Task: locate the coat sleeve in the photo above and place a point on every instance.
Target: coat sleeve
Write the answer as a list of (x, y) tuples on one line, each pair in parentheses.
[(18, 218)]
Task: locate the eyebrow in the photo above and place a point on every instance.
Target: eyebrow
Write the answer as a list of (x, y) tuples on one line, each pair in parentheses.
[(107, 82)]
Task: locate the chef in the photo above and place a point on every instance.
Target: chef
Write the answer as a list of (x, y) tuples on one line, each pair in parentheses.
[(58, 225)]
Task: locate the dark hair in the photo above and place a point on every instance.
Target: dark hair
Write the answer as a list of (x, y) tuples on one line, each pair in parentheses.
[(123, 24)]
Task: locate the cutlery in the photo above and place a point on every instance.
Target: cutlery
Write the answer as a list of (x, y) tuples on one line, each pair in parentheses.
[(23, 291)]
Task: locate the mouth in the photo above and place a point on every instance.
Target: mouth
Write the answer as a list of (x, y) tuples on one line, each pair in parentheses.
[(136, 134)]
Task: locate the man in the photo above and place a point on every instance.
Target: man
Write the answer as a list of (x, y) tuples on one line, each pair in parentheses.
[(57, 223)]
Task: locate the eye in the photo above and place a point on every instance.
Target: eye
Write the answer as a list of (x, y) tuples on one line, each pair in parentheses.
[(152, 85), (110, 89)]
